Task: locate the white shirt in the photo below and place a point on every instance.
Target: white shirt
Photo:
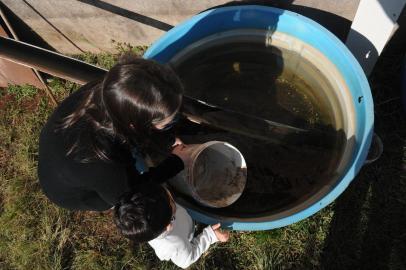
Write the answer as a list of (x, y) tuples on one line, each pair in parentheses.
[(179, 245)]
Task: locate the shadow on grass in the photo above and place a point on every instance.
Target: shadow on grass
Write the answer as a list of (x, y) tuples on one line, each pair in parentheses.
[(368, 228), (129, 14), (221, 258), (23, 30)]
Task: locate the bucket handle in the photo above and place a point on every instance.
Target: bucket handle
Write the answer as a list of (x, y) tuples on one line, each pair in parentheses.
[(375, 151)]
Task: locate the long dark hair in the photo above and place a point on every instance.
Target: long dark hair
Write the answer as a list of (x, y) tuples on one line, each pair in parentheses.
[(119, 112)]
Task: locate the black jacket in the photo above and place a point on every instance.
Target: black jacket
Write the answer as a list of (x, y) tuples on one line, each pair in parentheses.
[(93, 186)]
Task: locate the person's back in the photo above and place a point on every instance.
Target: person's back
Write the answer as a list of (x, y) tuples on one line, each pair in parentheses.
[(85, 150), (72, 184), (172, 234)]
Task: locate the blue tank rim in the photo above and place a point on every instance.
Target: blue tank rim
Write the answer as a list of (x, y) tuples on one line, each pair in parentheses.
[(261, 17), (403, 84)]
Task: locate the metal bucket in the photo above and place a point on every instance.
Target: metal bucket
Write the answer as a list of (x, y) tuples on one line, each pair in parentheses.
[(216, 175)]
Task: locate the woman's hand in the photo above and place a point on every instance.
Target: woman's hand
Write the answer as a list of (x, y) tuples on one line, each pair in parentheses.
[(177, 142), (222, 236), (183, 151)]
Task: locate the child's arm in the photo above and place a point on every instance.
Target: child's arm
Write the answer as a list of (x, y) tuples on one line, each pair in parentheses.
[(190, 252)]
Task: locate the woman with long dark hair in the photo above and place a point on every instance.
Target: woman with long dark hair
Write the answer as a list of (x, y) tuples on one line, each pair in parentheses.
[(92, 147)]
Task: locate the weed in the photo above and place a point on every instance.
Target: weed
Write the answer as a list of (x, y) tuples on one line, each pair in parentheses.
[(21, 92)]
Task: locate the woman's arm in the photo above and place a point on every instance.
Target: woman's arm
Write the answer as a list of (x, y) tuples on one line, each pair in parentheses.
[(164, 171), (109, 181)]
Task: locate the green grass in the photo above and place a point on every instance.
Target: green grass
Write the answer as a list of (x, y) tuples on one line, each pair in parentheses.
[(35, 234)]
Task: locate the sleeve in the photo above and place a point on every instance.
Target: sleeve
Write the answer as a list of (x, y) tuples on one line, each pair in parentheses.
[(113, 181), (190, 252), (165, 170), (164, 139)]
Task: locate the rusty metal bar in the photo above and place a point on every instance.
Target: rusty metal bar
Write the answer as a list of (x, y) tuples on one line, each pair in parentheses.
[(49, 62), (39, 76)]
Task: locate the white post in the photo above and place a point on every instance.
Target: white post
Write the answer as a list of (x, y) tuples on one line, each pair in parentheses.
[(372, 27)]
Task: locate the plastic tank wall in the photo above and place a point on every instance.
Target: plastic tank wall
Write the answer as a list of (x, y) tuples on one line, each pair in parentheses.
[(349, 95)]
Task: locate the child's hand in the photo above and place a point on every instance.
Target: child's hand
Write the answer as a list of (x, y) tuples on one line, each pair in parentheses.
[(222, 236)]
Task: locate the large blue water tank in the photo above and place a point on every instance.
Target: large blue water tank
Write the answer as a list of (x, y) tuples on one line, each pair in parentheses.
[(331, 60)]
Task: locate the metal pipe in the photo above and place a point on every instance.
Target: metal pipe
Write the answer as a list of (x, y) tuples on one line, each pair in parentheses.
[(81, 72), (49, 62)]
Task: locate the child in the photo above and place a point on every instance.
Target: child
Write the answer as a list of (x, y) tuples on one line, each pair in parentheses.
[(151, 215)]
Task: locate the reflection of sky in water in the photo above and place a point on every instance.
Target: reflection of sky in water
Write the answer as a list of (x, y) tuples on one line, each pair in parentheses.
[(251, 81)]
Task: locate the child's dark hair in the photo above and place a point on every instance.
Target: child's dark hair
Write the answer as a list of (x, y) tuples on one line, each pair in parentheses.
[(143, 215)]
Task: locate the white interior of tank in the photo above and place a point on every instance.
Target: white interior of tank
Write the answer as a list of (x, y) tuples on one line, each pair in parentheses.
[(318, 72)]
